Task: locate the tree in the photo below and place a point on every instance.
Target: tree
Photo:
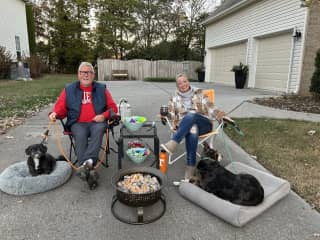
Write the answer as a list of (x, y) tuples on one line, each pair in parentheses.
[(189, 23), (67, 34), (153, 16), (31, 29), (315, 80), (116, 26)]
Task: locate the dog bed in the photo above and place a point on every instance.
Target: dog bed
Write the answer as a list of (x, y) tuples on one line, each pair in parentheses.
[(16, 179), (274, 189)]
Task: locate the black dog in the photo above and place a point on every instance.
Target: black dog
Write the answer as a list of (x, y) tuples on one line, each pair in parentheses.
[(241, 189), (39, 161)]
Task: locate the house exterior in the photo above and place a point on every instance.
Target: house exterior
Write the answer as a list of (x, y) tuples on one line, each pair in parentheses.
[(13, 28), (277, 39)]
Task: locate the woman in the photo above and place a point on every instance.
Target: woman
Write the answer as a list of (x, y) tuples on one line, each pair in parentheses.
[(194, 112)]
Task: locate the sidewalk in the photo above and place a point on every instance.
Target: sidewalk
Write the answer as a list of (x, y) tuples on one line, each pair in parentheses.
[(72, 211)]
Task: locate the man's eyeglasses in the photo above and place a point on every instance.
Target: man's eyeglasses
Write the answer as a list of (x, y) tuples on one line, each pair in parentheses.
[(86, 72)]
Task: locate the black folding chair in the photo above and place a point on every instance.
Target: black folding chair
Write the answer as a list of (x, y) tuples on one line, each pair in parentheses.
[(107, 148)]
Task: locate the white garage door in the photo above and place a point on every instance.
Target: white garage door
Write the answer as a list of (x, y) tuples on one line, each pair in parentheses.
[(273, 62), (223, 59)]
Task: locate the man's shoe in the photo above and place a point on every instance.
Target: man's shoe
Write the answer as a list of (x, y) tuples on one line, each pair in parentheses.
[(92, 179), (84, 169), (170, 146)]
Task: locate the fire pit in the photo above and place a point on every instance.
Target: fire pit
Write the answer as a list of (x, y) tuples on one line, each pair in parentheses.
[(138, 200)]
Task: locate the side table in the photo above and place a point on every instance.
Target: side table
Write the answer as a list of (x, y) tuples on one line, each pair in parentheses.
[(148, 130)]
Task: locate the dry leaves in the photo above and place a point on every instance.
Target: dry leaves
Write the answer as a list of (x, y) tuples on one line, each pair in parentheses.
[(6, 123)]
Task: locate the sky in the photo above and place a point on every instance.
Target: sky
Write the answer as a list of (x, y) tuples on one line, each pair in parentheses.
[(211, 4)]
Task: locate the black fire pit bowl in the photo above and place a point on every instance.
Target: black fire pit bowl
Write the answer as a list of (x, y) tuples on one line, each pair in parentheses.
[(134, 199)]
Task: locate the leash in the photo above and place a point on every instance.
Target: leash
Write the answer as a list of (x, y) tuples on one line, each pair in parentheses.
[(59, 143)]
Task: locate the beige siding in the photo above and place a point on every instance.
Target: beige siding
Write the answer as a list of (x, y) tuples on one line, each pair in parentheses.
[(259, 19), (223, 59), (273, 61)]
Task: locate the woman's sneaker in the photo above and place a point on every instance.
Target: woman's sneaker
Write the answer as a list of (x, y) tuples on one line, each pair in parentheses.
[(170, 146)]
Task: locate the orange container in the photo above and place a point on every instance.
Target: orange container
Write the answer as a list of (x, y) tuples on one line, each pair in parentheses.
[(163, 158), (210, 94)]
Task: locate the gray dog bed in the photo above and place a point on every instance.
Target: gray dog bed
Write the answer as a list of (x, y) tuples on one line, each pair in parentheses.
[(274, 189), (16, 179)]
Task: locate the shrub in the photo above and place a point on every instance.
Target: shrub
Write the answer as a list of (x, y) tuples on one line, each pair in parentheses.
[(5, 62), (201, 68), (240, 68), (315, 80), (35, 66)]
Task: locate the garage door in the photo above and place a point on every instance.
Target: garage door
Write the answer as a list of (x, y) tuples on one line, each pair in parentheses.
[(223, 59), (273, 59)]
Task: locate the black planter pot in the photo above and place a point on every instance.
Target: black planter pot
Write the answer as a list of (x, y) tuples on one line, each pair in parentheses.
[(201, 76), (240, 79)]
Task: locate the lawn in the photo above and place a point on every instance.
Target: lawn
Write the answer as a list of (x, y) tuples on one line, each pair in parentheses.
[(288, 148), (20, 98)]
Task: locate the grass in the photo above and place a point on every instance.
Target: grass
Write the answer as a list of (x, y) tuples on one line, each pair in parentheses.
[(287, 149), (18, 98)]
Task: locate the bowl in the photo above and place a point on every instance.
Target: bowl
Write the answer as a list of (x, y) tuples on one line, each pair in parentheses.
[(138, 155), (134, 123)]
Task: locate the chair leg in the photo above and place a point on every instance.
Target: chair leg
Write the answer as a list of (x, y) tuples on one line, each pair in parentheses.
[(175, 159), (72, 149)]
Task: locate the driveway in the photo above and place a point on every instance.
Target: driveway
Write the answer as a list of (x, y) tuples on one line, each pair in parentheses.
[(72, 211)]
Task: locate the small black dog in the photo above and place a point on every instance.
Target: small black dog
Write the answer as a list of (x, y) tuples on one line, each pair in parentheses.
[(241, 189), (39, 161)]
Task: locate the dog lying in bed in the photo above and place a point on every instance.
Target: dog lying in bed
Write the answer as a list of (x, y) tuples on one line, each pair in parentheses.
[(39, 161), (241, 189)]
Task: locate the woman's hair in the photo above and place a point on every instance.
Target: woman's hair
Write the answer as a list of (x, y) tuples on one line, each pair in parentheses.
[(181, 75), (86, 64)]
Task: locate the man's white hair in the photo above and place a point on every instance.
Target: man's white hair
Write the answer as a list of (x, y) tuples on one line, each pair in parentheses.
[(85, 64)]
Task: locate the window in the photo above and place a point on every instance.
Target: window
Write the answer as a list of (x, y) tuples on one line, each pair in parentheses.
[(18, 48)]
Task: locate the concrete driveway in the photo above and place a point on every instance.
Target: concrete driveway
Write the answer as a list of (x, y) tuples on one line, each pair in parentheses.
[(72, 211)]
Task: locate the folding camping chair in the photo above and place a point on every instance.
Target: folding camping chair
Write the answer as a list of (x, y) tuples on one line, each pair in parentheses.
[(107, 149), (208, 136), (202, 138)]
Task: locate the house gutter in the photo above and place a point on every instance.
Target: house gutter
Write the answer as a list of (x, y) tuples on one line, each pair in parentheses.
[(227, 11)]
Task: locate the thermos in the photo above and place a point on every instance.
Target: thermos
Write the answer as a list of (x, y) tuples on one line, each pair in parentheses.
[(124, 108), (163, 158)]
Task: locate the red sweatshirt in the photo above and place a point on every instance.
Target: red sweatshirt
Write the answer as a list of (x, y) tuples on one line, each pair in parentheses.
[(87, 110)]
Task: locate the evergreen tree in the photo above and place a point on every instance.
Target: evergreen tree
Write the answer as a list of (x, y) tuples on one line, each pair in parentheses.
[(68, 34), (116, 26), (31, 29), (315, 80)]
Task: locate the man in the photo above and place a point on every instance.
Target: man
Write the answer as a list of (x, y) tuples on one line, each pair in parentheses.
[(87, 105)]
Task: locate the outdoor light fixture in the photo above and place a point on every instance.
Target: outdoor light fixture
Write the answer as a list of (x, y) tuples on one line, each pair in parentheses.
[(297, 34)]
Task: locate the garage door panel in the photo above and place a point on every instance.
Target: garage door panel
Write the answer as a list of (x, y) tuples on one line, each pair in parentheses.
[(273, 60), (273, 69), (223, 59)]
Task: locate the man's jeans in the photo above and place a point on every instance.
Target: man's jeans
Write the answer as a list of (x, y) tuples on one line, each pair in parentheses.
[(198, 125), (88, 148)]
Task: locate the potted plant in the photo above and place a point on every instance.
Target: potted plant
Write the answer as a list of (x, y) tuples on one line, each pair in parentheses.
[(240, 74), (201, 73)]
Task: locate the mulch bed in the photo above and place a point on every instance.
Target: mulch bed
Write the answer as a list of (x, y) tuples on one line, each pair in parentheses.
[(294, 103)]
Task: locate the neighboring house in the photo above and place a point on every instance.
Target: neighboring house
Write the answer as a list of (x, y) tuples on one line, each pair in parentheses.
[(13, 28), (277, 39)]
